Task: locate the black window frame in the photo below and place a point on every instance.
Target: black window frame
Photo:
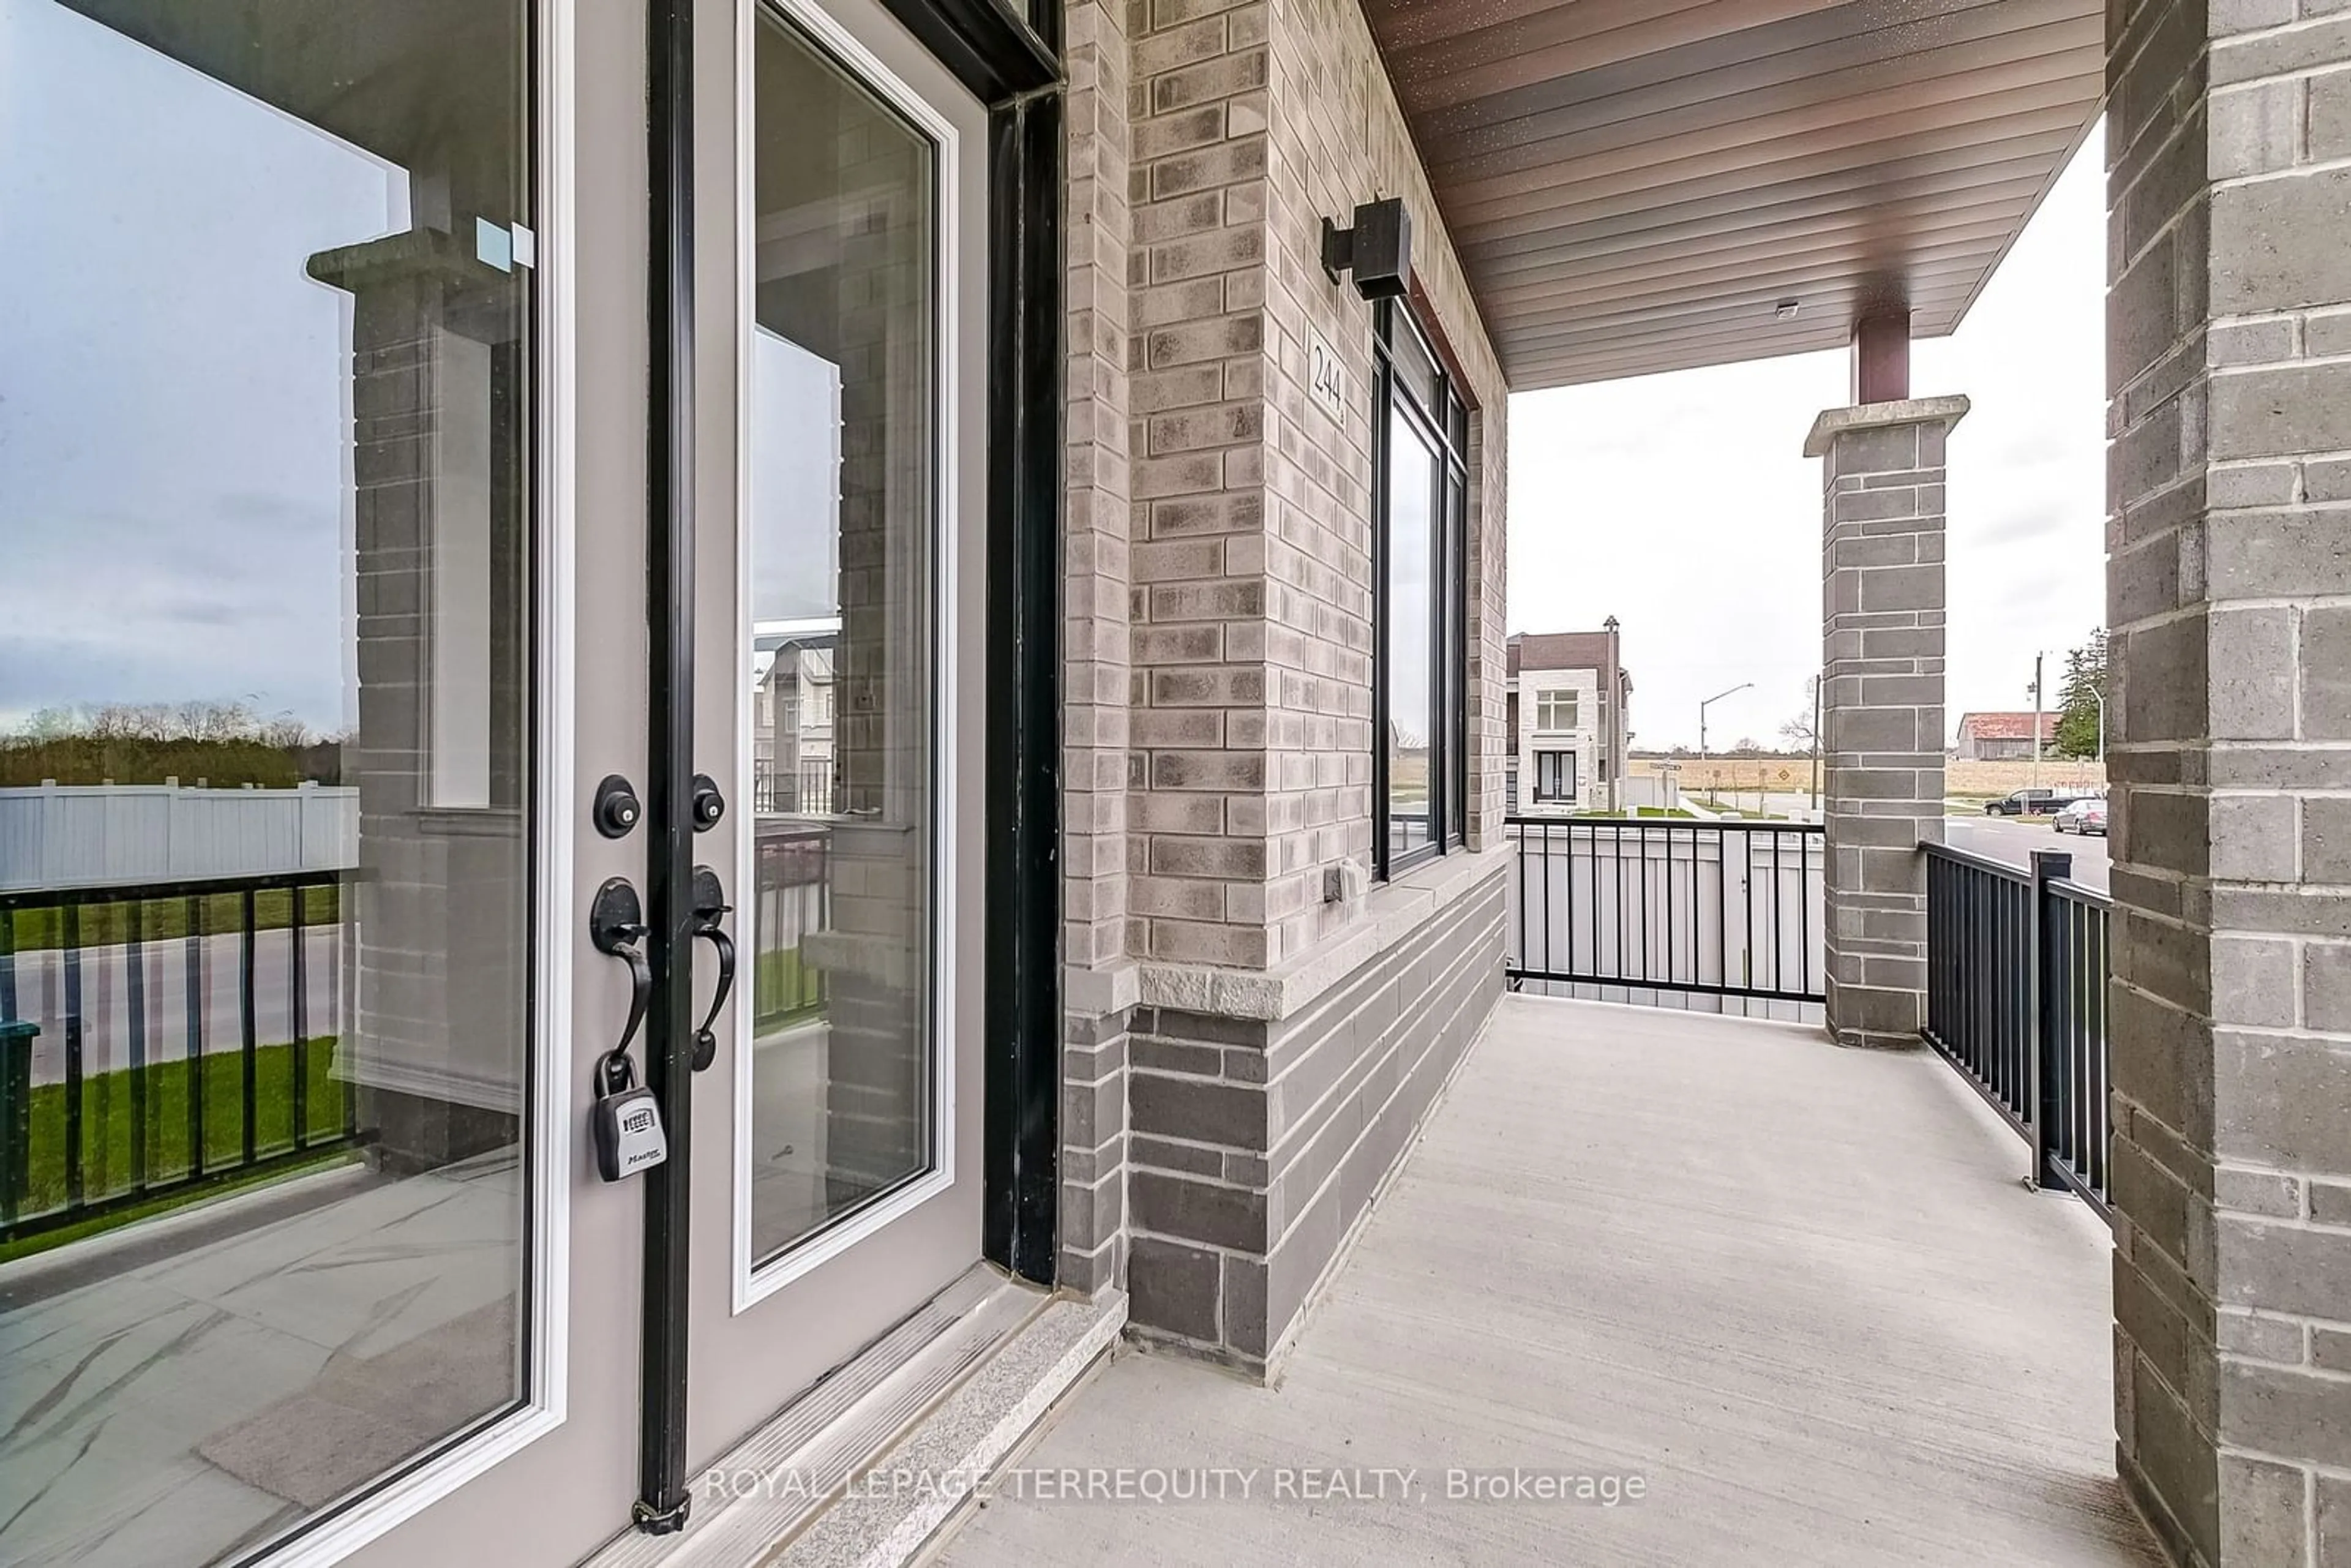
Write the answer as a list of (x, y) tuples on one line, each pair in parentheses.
[(1440, 414), (1545, 796)]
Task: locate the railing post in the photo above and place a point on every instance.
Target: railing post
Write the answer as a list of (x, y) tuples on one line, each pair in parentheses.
[(2047, 1075), (15, 1112)]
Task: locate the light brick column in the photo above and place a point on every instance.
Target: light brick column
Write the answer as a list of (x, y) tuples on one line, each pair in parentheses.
[(437, 897), (2228, 600), (1098, 988), (1881, 706)]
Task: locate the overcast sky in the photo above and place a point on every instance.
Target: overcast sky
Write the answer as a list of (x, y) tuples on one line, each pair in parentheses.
[(173, 407), (1684, 506), (175, 392)]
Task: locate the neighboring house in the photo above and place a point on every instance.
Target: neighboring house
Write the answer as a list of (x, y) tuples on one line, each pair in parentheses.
[(1567, 736), (792, 715), (2003, 737)]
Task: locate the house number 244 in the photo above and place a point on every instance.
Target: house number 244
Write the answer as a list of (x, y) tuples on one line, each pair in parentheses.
[(1326, 380)]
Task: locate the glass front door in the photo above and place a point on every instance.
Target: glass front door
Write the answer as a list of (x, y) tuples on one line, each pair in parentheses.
[(846, 1191), (322, 502)]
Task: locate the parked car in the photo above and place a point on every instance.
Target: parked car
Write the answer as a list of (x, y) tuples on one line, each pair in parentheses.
[(2086, 815), (2031, 803)]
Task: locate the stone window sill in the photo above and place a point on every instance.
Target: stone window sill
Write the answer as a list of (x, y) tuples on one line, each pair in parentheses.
[(1390, 912)]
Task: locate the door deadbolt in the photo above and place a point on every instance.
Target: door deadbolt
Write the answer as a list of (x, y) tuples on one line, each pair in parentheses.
[(706, 804), (617, 810)]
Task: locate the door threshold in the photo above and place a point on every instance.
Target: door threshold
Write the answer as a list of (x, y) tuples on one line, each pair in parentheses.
[(865, 1466)]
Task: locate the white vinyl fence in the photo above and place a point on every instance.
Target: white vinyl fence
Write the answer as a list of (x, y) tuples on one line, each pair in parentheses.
[(75, 835)]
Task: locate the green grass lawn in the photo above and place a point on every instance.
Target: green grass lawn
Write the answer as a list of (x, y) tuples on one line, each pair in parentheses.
[(109, 1124), (783, 986), (166, 919)]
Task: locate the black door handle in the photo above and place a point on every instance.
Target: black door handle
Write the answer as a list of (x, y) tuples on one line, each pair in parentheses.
[(616, 923), (710, 907)]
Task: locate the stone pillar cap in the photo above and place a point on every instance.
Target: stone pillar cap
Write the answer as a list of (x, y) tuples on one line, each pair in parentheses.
[(1834, 422)]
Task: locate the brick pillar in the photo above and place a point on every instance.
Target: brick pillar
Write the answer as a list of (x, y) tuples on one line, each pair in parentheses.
[(2229, 367), (1881, 705), (439, 537), (868, 315), (1099, 981)]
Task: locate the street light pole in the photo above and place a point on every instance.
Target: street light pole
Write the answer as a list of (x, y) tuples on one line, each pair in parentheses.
[(1816, 740), (1708, 703), (2036, 720)]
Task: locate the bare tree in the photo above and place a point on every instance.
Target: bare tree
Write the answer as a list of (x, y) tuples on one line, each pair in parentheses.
[(1798, 731)]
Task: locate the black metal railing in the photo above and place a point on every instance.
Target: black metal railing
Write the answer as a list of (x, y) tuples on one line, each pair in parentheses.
[(792, 889), (2016, 1000), (1622, 907), (792, 793), (157, 1039)]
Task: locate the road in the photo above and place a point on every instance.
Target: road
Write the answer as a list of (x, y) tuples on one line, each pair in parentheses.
[(108, 1031), (1796, 805), (2013, 840)]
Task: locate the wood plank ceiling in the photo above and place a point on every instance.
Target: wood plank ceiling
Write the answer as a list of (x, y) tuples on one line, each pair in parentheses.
[(1638, 185)]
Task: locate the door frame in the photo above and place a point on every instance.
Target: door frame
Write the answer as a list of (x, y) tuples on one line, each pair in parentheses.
[(1012, 66), (1028, 320)]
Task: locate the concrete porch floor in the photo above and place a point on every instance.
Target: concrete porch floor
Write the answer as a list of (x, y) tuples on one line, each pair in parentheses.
[(1799, 1290)]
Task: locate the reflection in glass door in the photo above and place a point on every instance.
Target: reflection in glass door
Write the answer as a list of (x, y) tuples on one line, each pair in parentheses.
[(265, 480), (843, 430), (1411, 633)]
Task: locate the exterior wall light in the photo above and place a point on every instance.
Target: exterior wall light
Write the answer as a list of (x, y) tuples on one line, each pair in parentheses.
[(1377, 249)]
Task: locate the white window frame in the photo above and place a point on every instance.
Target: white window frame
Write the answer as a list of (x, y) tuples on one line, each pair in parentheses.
[(1548, 699), (754, 1281), (553, 817)]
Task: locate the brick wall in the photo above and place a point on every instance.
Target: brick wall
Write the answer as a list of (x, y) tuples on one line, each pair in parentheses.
[(2229, 588), (1338, 137), (1218, 736), (1259, 1144), (1197, 850), (1251, 638)]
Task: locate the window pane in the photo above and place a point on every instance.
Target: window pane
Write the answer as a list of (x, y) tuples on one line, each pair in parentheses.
[(843, 512), (1411, 636), (265, 761), (1415, 367)]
